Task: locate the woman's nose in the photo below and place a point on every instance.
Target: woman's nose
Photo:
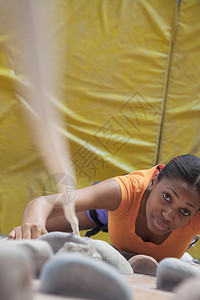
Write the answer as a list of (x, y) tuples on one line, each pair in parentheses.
[(168, 214)]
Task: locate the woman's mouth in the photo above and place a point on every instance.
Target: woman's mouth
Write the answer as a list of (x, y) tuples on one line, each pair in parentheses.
[(160, 225)]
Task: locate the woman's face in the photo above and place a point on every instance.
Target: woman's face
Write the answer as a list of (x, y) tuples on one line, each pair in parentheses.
[(171, 205)]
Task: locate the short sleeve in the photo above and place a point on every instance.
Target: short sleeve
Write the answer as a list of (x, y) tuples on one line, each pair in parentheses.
[(130, 186)]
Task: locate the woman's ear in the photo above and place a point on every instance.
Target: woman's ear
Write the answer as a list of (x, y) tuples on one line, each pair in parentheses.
[(153, 180)]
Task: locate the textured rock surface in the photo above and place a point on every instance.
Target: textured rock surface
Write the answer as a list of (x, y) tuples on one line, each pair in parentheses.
[(38, 251), (189, 289), (15, 273), (172, 271), (57, 239), (107, 252), (112, 256), (80, 248), (76, 275), (143, 264)]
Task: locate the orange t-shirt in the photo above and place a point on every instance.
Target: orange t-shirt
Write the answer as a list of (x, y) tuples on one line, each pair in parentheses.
[(121, 222)]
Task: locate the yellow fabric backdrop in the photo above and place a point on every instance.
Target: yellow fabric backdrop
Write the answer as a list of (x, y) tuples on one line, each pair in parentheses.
[(130, 94), (181, 118)]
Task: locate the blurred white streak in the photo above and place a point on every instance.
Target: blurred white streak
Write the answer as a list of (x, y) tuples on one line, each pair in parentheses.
[(33, 23)]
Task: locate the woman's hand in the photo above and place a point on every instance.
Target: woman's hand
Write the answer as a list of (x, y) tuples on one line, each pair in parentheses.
[(27, 231)]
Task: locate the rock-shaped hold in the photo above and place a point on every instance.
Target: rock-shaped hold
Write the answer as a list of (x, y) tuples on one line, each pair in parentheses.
[(172, 271), (143, 264), (38, 251), (76, 275), (80, 248), (15, 274), (57, 239), (189, 289), (107, 252), (111, 256)]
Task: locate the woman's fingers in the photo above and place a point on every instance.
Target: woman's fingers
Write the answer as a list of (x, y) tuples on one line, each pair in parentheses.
[(15, 234), (27, 231), (12, 235), (37, 230)]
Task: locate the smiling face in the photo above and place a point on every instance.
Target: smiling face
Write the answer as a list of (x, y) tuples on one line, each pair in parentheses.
[(171, 205)]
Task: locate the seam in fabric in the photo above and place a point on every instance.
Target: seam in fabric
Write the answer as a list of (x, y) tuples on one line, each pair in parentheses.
[(173, 43)]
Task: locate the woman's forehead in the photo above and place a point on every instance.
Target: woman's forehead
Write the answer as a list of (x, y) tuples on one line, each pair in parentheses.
[(176, 182), (181, 189)]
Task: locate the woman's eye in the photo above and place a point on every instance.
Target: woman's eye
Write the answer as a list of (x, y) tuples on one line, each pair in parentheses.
[(185, 212), (166, 196)]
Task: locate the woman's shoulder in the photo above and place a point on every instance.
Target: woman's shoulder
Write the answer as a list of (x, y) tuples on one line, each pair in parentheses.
[(136, 179), (141, 174)]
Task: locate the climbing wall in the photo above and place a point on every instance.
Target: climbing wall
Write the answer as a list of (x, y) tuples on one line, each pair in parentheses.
[(131, 94)]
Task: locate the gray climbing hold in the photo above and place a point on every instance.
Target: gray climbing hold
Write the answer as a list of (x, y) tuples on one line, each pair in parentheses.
[(172, 271), (80, 248), (16, 273), (189, 289), (143, 264), (107, 252), (38, 252), (111, 256), (76, 275), (57, 239)]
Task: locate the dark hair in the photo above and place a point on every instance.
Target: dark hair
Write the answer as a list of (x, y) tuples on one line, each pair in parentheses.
[(184, 167)]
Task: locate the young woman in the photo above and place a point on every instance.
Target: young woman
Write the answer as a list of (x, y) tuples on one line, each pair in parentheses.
[(153, 212)]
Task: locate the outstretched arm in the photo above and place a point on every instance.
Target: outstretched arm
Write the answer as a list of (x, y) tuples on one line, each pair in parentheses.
[(45, 214)]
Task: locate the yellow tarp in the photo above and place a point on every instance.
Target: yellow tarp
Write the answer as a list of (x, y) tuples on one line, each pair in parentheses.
[(131, 94)]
